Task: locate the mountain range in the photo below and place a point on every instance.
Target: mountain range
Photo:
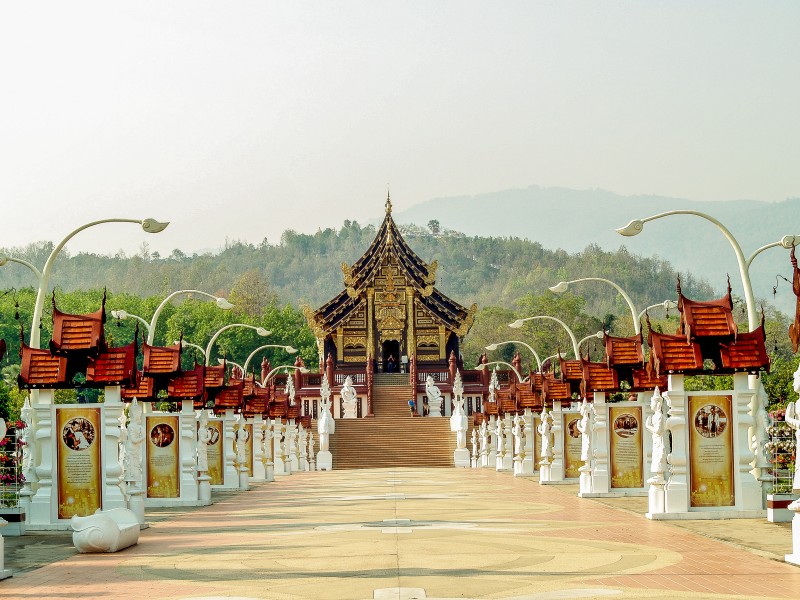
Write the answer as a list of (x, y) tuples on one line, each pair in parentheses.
[(574, 219)]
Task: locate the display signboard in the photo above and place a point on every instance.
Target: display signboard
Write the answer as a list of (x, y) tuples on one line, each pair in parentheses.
[(710, 427), (80, 480), (163, 456), (626, 455)]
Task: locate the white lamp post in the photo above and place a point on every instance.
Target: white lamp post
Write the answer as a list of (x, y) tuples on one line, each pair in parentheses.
[(484, 366), (494, 346), (666, 305), (274, 371), (259, 330), (635, 227), (225, 361), (518, 324), (148, 225), (287, 349), (562, 287), (185, 344), (151, 326)]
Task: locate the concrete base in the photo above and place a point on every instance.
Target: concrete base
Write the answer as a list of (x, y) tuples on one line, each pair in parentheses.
[(461, 458), (561, 482), (614, 494), (707, 515), (792, 559), (15, 517), (204, 488), (324, 461), (167, 502)]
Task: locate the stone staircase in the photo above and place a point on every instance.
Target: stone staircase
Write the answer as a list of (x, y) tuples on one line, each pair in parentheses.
[(392, 438)]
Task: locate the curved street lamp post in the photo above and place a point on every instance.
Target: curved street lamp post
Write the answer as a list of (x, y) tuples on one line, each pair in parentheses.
[(148, 225), (635, 227)]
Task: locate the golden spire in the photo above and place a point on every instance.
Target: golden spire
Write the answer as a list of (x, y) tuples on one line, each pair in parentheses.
[(388, 203)]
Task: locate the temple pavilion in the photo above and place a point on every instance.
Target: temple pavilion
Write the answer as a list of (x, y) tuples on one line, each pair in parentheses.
[(390, 311)]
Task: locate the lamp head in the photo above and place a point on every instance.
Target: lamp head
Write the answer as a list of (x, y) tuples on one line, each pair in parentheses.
[(633, 228), (220, 361), (3, 260), (599, 335), (119, 314), (670, 304), (516, 324), (560, 287), (262, 332), (491, 347), (304, 370), (787, 242), (480, 367), (224, 304), (153, 226), (290, 350)]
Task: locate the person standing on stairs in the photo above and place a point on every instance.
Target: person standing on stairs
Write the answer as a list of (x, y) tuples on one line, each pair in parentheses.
[(412, 406), (390, 364)]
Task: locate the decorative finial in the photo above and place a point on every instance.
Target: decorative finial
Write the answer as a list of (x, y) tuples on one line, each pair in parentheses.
[(388, 203)]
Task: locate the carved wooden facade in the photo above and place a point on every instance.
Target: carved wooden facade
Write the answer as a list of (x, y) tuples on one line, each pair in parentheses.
[(389, 307)]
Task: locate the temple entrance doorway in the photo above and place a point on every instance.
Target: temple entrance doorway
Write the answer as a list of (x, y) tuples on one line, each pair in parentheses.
[(391, 348)]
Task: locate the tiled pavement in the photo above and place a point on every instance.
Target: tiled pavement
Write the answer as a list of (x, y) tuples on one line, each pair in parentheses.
[(408, 533)]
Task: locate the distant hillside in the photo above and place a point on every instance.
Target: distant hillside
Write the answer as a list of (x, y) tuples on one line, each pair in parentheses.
[(572, 219), (307, 268)]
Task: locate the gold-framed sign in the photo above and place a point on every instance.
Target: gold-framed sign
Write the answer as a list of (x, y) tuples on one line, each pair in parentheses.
[(79, 459), (710, 426), (626, 456)]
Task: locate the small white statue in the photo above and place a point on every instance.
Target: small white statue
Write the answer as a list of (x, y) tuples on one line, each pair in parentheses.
[(656, 424), (517, 432), (349, 399), (483, 433), (458, 423), (325, 426), (494, 385), (793, 420), (241, 439), (133, 444), (761, 428), (290, 391), (474, 444), (434, 395), (584, 426), (27, 414), (312, 465), (545, 431), (203, 438)]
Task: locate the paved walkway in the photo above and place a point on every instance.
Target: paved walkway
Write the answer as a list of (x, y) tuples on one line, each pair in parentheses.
[(409, 533)]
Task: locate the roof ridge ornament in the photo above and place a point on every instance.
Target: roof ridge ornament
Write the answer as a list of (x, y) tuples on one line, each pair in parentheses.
[(388, 203)]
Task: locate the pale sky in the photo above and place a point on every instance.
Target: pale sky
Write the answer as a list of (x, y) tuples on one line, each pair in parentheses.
[(239, 120)]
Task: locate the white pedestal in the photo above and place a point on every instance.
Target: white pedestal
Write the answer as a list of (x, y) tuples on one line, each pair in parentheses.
[(204, 488), (324, 461), (585, 480), (136, 503), (794, 557), (4, 573), (461, 458), (655, 496), (544, 472)]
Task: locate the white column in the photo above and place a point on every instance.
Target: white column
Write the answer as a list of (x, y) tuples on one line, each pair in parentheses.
[(748, 488), (112, 467), (259, 471), (491, 455), (557, 462), (231, 475), (794, 557), (508, 457), (42, 510), (528, 445), (676, 491), (600, 483), (188, 452)]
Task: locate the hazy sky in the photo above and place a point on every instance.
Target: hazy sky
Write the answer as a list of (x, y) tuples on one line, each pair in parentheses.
[(239, 120)]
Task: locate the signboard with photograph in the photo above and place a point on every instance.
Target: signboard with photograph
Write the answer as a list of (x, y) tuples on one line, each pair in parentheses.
[(572, 445), (80, 480), (163, 456), (626, 455), (216, 452), (710, 427)]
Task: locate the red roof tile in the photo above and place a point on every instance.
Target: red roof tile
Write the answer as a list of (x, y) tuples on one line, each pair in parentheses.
[(571, 370), (42, 370), (115, 366), (671, 354), (73, 333), (711, 318), (161, 360), (746, 353), (624, 351), (599, 377), (144, 391), (188, 385)]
